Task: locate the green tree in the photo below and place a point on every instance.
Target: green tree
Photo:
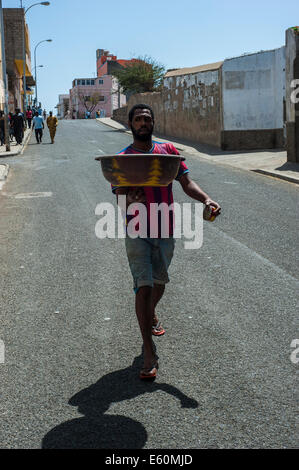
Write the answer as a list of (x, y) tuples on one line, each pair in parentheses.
[(142, 75)]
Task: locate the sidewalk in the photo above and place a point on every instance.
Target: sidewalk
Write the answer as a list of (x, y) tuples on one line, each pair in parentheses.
[(268, 162), (14, 150)]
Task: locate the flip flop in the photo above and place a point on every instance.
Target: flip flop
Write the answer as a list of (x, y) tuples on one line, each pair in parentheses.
[(146, 374), (158, 330)]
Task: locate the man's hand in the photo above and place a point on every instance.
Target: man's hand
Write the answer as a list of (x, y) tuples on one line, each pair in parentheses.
[(135, 195), (209, 202)]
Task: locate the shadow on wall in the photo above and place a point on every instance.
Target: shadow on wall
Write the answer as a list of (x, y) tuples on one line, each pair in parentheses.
[(97, 430), (199, 147)]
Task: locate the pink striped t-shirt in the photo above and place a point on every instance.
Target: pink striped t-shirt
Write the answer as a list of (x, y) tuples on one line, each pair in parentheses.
[(157, 194)]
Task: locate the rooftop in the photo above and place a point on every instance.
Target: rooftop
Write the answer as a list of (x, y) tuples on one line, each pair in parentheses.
[(189, 70)]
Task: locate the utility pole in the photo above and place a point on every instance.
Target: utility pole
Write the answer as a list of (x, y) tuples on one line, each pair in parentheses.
[(24, 64), (6, 133)]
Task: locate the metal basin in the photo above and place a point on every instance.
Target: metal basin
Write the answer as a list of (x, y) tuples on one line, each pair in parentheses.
[(145, 169)]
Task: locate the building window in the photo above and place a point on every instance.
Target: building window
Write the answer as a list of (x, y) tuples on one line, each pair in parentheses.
[(87, 82), (82, 82), (92, 82), (101, 82), (78, 82), (101, 98)]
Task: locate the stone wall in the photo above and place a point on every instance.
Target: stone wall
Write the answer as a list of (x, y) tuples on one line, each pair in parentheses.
[(237, 104), (121, 115), (188, 107)]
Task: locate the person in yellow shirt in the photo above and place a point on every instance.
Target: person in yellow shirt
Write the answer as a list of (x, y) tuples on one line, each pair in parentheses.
[(52, 123)]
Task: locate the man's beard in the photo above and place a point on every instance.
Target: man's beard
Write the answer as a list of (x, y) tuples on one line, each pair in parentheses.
[(144, 137)]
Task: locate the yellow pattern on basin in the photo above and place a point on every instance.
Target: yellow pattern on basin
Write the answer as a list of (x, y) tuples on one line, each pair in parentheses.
[(154, 174)]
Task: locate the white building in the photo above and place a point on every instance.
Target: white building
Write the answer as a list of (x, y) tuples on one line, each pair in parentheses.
[(253, 100), (63, 106)]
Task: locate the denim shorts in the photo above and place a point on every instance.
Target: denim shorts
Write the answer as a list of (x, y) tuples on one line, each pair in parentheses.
[(149, 260)]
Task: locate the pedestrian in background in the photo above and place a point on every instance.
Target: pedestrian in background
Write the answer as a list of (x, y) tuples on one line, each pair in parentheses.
[(10, 127), (18, 125), (29, 117), (52, 123), (45, 114), (38, 125), (2, 135)]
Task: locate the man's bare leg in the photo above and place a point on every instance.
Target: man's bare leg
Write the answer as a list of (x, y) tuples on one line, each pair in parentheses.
[(143, 306), (157, 295)]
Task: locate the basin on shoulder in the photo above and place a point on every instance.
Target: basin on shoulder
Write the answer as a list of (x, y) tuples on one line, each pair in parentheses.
[(143, 169)]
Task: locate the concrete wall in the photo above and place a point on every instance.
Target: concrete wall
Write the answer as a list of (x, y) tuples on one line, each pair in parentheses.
[(188, 107), (238, 104), (292, 95), (253, 90)]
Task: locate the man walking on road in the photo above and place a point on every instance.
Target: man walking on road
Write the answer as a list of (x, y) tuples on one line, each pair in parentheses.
[(29, 117), (149, 258), (52, 123), (38, 125), (18, 125)]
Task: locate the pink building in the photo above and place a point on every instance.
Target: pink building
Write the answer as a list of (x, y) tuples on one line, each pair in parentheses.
[(103, 91)]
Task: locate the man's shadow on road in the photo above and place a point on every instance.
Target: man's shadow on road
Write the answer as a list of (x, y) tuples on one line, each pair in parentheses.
[(97, 430)]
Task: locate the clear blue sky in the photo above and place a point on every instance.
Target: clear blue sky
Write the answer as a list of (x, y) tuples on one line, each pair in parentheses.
[(177, 33)]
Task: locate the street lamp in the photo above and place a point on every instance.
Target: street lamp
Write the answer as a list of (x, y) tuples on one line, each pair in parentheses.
[(35, 79), (24, 49), (44, 40)]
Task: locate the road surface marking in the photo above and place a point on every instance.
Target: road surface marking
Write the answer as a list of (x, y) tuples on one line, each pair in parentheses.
[(257, 255), (32, 195)]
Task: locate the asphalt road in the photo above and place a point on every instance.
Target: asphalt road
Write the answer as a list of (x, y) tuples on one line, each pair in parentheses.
[(72, 343)]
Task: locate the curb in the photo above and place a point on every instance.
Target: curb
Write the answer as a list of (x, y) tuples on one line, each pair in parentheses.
[(21, 150), (277, 175), (4, 173), (126, 131), (26, 140), (274, 174)]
